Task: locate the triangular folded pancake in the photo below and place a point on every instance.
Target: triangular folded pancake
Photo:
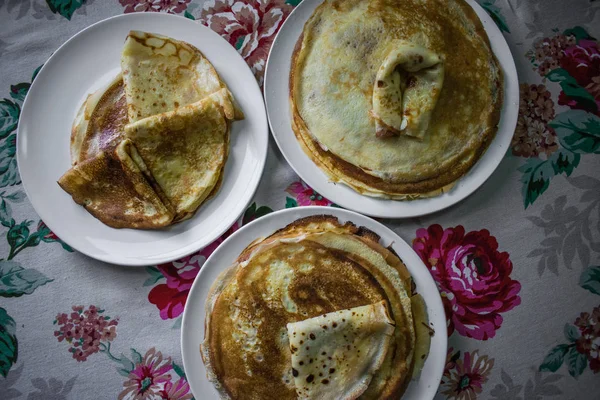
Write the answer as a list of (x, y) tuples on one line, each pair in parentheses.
[(335, 355), (162, 74), (114, 190), (185, 150)]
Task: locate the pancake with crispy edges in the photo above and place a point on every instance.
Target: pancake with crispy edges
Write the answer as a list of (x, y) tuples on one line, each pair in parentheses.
[(312, 267), (112, 187), (360, 128)]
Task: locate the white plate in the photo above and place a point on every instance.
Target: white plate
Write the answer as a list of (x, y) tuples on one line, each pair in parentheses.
[(88, 61), (192, 328), (278, 108)]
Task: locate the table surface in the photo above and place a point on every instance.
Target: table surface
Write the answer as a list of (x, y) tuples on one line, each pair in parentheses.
[(517, 263)]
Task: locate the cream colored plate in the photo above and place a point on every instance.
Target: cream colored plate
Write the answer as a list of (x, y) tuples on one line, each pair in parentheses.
[(278, 108), (86, 62), (192, 328)]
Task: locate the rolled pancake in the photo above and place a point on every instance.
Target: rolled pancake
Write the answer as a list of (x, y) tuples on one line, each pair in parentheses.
[(185, 150), (345, 45), (113, 189), (162, 74), (100, 122), (313, 266)]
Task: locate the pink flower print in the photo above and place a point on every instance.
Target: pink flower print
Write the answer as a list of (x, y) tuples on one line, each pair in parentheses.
[(171, 296), (306, 196), (169, 6), (473, 278), (86, 330), (249, 25), (148, 378)]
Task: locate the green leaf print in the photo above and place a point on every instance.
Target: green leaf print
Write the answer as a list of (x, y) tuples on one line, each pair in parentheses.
[(9, 117), (66, 8), (579, 33), (9, 173), (6, 214), (578, 131), (494, 11), (178, 370), (155, 276), (187, 14), (290, 203), (564, 161), (293, 3), (571, 332), (577, 362), (535, 179), (572, 89), (9, 350), (590, 279), (555, 358), (16, 197), (18, 235), (19, 91), (15, 281), (253, 212)]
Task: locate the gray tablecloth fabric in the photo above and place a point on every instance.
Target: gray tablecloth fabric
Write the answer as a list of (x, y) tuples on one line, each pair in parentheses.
[(517, 262)]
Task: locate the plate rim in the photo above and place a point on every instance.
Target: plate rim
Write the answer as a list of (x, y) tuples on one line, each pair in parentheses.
[(326, 187), (192, 246), (432, 301)]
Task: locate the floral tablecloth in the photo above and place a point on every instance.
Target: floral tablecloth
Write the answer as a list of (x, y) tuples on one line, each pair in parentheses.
[(517, 263)]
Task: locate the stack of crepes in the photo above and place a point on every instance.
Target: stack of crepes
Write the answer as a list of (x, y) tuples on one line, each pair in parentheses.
[(396, 99), (318, 310), (150, 148)]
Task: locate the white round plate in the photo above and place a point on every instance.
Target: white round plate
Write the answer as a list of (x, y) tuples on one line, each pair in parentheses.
[(276, 88), (88, 61), (192, 328)]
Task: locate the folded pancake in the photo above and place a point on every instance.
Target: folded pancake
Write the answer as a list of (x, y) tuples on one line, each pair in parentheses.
[(335, 355), (113, 189), (406, 90), (185, 150), (312, 267), (162, 74), (100, 122), (397, 99)]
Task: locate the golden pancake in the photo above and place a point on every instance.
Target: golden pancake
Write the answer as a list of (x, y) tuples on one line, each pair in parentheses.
[(397, 99), (312, 267), (100, 122), (185, 150), (162, 74), (114, 190), (346, 347)]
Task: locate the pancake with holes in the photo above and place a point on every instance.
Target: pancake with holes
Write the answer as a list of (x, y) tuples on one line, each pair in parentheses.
[(396, 99), (316, 309)]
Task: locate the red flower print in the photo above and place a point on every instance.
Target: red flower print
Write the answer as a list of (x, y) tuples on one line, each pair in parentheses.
[(473, 278), (170, 297), (588, 342), (176, 391), (306, 196), (170, 6), (148, 378), (87, 331), (249, 25), (464, 381), (582, 62)]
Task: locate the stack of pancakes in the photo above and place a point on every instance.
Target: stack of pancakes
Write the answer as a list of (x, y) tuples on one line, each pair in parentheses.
[(150, 148), (319, 309), (396, 99)]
